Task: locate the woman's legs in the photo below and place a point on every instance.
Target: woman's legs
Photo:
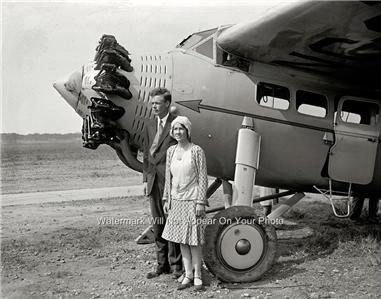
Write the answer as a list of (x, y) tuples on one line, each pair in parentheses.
[(196, 253), (187, 261)]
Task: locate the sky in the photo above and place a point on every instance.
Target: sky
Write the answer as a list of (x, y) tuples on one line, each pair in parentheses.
[(45, 41)]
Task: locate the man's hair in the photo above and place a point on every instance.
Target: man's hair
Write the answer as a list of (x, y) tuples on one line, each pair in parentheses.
[(161, 91)]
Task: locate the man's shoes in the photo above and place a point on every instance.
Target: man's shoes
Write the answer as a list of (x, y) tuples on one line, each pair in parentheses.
[(157, 273), (177, 273)]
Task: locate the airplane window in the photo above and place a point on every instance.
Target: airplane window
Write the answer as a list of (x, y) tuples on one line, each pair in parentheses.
[(234, 61), (206, 48), (349, 117), (359, 112), (190, 41), (195, 38), (310, 103), (273, 96), (312, 110)]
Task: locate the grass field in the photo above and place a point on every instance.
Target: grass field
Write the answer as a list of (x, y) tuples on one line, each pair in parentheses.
[(60, 164)]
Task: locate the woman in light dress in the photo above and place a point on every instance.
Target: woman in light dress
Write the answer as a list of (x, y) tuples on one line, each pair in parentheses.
[(184, 198)]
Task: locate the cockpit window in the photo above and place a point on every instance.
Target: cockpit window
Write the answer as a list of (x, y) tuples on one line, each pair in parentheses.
[(195, 38), (231, 60), (206, 48)]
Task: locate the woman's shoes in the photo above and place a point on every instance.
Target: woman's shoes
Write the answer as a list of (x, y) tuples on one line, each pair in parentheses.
[(186, 283), (181, 278), (189, 282), (198, 286)]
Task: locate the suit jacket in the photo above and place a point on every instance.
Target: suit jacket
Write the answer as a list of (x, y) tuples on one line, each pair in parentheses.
[(154, 166)]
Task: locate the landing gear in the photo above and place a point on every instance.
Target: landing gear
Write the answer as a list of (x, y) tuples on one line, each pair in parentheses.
[(240, 247)]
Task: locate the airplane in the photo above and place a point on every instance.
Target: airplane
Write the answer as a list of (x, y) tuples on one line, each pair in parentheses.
[(290, 101)]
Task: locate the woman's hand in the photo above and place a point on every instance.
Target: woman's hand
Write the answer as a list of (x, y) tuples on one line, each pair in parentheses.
[(200, 210), (166, 208)]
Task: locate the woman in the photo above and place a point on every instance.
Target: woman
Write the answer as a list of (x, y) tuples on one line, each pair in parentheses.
[(184, 198)]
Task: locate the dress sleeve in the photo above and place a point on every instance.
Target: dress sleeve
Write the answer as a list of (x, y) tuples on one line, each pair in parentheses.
[(167, 184), (202, 176)]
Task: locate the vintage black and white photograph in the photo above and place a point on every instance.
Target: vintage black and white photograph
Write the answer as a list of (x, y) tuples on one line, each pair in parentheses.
[(190, 149)]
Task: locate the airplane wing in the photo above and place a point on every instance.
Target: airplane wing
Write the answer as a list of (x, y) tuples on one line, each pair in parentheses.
[(339, 38)]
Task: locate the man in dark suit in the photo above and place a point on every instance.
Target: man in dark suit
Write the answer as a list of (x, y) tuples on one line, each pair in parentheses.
[(156, 142)]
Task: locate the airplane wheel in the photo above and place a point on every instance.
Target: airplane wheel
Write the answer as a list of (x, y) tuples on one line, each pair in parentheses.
[(238, 248)]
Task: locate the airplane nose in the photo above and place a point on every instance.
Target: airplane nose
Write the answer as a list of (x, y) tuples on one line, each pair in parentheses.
[(69, 88)]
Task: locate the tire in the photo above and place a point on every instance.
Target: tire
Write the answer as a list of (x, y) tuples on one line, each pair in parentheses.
[(238, 246)]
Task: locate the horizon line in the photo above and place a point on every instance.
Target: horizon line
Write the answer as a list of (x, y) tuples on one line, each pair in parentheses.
[(38, 133)]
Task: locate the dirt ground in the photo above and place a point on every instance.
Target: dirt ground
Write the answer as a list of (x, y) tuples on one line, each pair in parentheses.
[(70, 250), (63, 250)]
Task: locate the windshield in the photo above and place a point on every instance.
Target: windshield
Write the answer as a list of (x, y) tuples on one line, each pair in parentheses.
[(195, 38)]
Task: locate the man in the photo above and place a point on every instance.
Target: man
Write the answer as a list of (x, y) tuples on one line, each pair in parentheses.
[(156, 142), (358, 203)]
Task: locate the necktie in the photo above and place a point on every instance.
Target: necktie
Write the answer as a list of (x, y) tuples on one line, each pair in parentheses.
[(156, 139)]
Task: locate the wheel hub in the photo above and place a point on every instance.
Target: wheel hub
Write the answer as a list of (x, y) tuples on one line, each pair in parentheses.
[(241, 246)]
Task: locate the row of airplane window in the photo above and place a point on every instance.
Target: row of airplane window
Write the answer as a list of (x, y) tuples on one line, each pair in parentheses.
[(313, 104)]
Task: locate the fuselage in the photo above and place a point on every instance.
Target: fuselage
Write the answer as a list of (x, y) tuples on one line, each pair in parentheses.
[(294, 113)]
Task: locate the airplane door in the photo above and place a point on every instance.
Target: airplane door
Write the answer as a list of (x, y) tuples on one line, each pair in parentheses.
[(357, 131)]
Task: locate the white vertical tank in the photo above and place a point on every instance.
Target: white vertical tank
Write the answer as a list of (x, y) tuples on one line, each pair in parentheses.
[(247, 160)]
